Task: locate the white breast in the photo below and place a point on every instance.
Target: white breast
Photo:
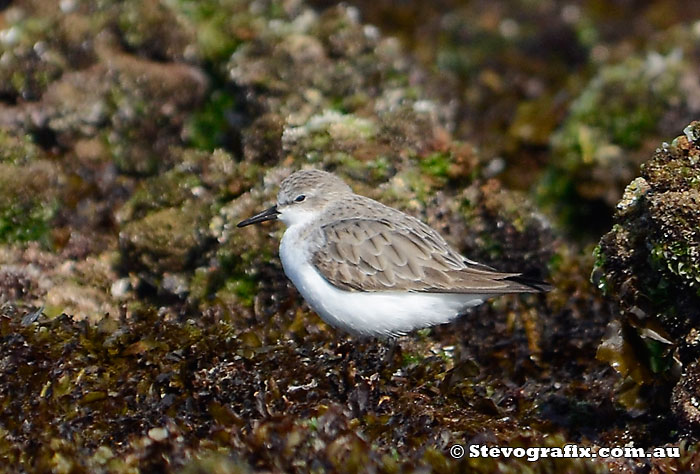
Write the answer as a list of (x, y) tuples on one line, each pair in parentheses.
[(382, 314)]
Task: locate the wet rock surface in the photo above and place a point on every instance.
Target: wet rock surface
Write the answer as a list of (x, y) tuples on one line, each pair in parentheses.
[(143, 331)]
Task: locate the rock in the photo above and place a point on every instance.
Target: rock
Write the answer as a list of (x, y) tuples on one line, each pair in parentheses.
[(167, 240), (685, 399), (155, 31), (649, 263), (614, 124), (28, 201)]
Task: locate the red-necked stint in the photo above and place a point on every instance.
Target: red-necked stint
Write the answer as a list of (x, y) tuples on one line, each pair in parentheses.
[(373, 270)]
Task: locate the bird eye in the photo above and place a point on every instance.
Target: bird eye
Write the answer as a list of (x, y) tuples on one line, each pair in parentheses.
[(299, 198)]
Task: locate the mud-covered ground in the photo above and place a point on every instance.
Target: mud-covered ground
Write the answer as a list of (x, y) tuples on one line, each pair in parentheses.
[(141, 331)]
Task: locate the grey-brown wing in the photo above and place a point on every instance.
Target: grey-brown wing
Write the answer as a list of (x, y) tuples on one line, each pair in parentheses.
[(385, 255)]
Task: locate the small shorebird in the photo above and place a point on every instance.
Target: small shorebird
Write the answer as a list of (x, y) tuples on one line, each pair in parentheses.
[(370, 269)]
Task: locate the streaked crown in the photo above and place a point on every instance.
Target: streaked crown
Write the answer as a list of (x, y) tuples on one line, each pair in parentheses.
[(310, 183)]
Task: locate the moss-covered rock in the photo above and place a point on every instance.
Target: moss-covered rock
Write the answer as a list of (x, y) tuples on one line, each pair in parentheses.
[(166, 240), (150, 103), (154, 29), (18, 149), (179, 222), (28, 201), (29, 62), (613, 125), (208, 178), (97, 84), (29, 193), (329, 91), (649, 264)]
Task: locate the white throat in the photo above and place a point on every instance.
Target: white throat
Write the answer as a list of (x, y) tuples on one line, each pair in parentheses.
[(292, 216)]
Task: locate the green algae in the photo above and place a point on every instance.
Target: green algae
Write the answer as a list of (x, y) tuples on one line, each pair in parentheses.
[(26, 223), (208, 126), (28, 202), (244, 287), (437, 164)]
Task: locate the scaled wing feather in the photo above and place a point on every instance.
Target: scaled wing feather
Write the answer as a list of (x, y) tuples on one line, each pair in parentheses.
[(361, 254)]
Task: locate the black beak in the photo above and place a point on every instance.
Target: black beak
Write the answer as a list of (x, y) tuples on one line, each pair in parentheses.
[(266, 215)]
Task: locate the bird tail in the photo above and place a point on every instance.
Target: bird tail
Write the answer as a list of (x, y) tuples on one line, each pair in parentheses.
[(524, 284)]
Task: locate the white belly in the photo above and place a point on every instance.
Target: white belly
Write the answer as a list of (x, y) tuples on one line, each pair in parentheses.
[(382, 314)]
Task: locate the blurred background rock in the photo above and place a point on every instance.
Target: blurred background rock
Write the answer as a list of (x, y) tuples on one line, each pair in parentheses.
[(144, 331)]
